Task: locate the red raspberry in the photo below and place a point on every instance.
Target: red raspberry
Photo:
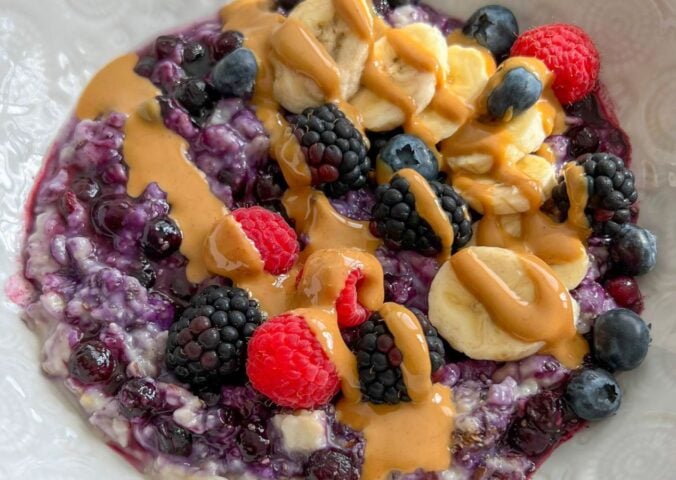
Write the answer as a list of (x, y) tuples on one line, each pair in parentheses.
[(569, 52), (287, 364), (350, 312), (274, 239)]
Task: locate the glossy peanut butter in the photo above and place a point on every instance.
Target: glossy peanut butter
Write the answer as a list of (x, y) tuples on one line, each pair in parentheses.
[(149, 147)]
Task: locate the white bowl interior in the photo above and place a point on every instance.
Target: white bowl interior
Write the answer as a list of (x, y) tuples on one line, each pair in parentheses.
[(48, 50)]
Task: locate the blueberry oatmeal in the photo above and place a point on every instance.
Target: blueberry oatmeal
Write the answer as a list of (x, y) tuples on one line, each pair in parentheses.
[(336, 239)]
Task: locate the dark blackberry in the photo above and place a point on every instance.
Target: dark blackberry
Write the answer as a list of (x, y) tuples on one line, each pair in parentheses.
[(379, 360), (396, 220), (330, 464), (434, 343), (334, 149), (611, 193), (207, 344)]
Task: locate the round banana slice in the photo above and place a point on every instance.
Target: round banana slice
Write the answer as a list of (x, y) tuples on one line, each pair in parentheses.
[(406, 81), (506, 199), (295, 91), (465, 323)]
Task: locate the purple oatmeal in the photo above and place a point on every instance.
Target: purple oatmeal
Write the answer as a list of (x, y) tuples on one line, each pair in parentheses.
[(171, 365)]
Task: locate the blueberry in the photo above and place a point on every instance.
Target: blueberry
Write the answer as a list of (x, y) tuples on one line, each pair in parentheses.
[(137, 397), (494, 27), (109, 214), (173, 439), (407, 151), (235, 74), (517, 92), (330, 464), (583, 140), (145, 66), (593, 394), (621, 339), (195, 96), (634, 250), (195, 59), (253, 441), (91, 362), (161, 238)]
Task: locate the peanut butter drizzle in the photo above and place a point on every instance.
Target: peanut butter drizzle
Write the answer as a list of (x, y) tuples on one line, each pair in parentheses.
[(325, 272), (149, 147), (316, 63), (548, 318), (578, 195), (326, 228), (429, 207), (358, 15), (410, 339)]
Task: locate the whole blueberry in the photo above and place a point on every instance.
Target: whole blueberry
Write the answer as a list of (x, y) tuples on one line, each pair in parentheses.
[(407, 151), (621, 339), (235, 74), (91, 362), (161, 238), (517, 92), (494, 27), (634, 250), (137, 397), (172, 439), (195, 59), (593, 394)]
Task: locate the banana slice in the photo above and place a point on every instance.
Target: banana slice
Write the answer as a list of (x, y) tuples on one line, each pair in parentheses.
[(401, 81), (464, 322), (506, 199), (570, 273), (469, 69), (476, 145), (295, 91)]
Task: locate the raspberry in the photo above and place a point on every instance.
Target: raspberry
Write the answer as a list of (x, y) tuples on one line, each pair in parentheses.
[(566, 50), (350, 312), (288, 365), (274, 239), (626, 292)]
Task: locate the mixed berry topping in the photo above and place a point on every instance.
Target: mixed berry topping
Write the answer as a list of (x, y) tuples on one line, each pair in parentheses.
[(274, 239), (593, 394), (567, 51), (288, 365), (379, 360), (516, 93), (400, 225), (330, 464), (206, 346), (405, 151), (611, 190), (334, 149), (493, 27)]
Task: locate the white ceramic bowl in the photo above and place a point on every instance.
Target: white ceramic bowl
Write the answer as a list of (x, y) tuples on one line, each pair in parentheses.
[(48, 50)]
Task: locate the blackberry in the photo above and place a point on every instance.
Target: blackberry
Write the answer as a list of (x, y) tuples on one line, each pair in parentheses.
[(611, 193), (334, 149), (396, 220), (379, 360), (207, 344)]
